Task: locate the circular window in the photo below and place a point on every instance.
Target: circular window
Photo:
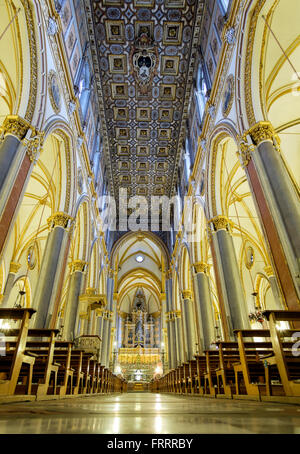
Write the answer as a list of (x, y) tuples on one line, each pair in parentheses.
[(139, 258), (249, 257), (31, 257)]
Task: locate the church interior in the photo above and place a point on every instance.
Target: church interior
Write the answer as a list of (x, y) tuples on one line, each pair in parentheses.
[(149, 216)]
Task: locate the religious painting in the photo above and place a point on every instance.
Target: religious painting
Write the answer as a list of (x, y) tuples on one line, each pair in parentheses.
[(75, 61), (54, 92), (70, 40), (66, 16), (228, 95), (119, 91)]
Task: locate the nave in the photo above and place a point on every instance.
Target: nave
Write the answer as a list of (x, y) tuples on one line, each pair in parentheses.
[(147, 413)]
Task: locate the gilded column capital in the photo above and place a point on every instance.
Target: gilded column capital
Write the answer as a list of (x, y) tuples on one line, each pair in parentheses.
[(201, 267), (186, 294), (60, 219), (16, 126), (169, 274), (262, 131), (177, 314), (269, 270), (78, 265), (14, 267), (221, 223)]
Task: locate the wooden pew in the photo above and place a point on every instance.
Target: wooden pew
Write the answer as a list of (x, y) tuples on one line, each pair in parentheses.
[(250, 366), (201, 369), (39, 345), (62, 356), (228, 355), (11, 366), (192, 380), (285, 359), (210, 376)]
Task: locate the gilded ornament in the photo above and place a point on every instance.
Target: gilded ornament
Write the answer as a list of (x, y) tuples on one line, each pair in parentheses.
[(269, 271)]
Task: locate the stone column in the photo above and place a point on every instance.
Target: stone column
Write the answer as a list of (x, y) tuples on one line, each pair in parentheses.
[(19, 149), (279, 305), (179, 338), (280, 193), (52, 264), (188, 323), (107, 323), (204, 306), (232, 290), (13, 270), (78, 268), (172, 361)]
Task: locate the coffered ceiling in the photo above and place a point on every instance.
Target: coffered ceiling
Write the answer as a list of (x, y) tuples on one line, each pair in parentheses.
[(144, 53)]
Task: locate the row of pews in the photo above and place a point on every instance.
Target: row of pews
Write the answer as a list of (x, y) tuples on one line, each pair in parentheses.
[(261, 364), (33, 362)]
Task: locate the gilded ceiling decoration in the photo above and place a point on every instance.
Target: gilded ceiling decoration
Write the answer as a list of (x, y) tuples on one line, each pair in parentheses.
[(144, 53)]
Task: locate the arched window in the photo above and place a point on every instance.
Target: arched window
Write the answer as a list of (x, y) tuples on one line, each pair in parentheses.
[(224, 5), (201, 91), (84, 88)]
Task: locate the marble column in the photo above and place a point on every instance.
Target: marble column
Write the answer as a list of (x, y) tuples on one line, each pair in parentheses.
[(172, 361), (179, 338), (188, 323), (107, 323), (12, 153), (204, 306), (280, 193), (52, 264), (232, 290), (20, 144), (13, 270), (78, 269), (278, 303)]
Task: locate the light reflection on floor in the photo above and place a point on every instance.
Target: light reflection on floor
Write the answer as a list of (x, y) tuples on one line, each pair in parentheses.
[(137, 413)]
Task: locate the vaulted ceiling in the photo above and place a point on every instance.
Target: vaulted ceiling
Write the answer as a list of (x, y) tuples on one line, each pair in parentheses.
[(144, 53)]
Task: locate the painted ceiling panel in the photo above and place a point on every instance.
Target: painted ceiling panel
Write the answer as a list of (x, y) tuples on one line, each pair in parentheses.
[(144, 53)]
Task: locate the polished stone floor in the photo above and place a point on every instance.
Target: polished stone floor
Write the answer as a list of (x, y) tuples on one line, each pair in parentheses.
[(146, 413)]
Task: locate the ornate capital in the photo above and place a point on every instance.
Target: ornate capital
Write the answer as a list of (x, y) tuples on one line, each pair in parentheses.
[(186, 294), (201, 267), (34, 145), (14, 267), (169, 274), (177, 314), (52, 28), (221, 223), (244, 153), (261, 132), (16, 126), (60, 219), (269, 271), (78, 265)]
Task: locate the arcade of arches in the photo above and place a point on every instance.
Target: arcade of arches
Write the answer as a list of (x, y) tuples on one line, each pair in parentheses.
[(192, 99)]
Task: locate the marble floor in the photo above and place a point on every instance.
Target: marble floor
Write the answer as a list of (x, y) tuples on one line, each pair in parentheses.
[(146, 413)]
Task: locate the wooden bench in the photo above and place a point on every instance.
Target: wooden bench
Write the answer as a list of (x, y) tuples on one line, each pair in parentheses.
[(210, 376), (39, 345), (228, 355), (284, 357), (201, 369), (250, 368), (11, 365)]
